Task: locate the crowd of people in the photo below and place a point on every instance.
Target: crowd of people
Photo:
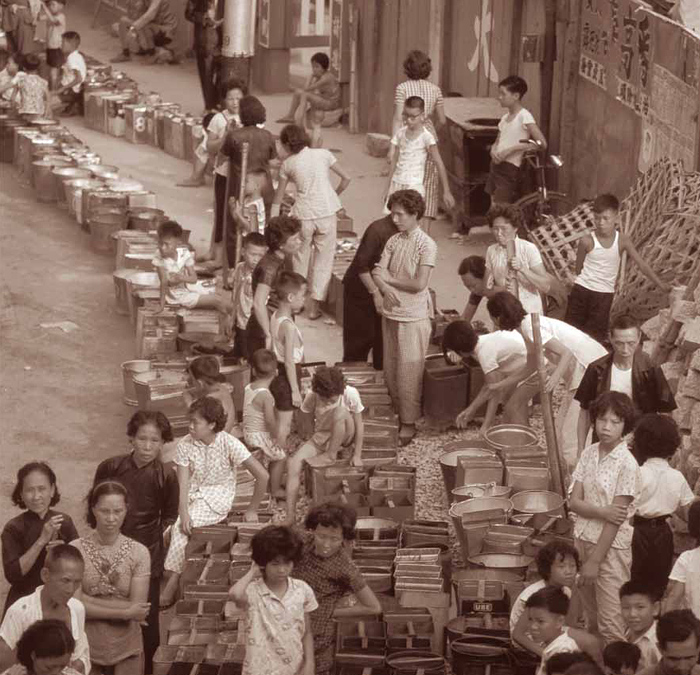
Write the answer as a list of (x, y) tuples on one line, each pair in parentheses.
[(616, 597)]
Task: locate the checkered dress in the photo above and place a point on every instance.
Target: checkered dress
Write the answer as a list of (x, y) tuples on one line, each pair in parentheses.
[(432, 96), (330, 579)]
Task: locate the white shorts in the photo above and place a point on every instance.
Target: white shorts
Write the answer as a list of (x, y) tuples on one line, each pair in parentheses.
[(264, 441)]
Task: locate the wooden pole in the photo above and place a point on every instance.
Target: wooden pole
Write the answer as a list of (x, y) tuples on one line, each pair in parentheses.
[(512, 274), (354, 38), (547, 66), (241, 194), (559, 481)]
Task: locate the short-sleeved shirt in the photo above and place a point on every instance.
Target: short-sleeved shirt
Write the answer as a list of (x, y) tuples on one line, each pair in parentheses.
[(242, 294), (27, 610), (519, 605), (218, 126), (109, 572), (369, 253), (615, 475), (403, 256), (561, 644), (183, 259), (213, 468), (266, 272), (502, 350), (412, 156), (74, 62), (685, 571), (648, 645), (330, 579), (663, 489), (261, 149), (583, 347), (497, 272), (429, 92), (19, 669), (513, 131), (55, 29), (308, 170), (350, 399), (275, 628), (18, 536), (33, 91)]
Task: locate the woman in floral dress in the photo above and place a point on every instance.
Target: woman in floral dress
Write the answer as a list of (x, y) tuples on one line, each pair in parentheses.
[(115, 584)]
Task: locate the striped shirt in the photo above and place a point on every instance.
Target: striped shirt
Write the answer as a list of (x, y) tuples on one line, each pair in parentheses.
[(404, 254)]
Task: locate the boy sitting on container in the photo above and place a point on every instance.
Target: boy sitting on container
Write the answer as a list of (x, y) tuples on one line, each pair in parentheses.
[(175, 266), (337, 412)]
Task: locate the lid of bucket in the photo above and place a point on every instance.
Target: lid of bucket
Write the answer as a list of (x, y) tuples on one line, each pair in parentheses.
[(124, 185)]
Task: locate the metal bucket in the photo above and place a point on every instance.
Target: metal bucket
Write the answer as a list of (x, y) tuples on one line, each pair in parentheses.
[(129, 369), (74, 194), (7, 125), (500, 566), (509, 439), (465, 492), (44, 182), (100, 198), (477, 655), (544, 507), (121, 289), (473, 517), (124, 185), (448, 462), (62, 174), (103, 224), (105, 172), (416, 662), (145, 219), (140, 281)]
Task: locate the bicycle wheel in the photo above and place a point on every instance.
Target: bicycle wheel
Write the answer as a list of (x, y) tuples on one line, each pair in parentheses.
[(530, 206)]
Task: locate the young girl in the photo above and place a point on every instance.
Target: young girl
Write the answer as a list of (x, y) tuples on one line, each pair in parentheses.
[(207, 462), (45, 648), (32, 91), (209, 381), (606, 482), (278, 630), (684, 586), (259, 420)]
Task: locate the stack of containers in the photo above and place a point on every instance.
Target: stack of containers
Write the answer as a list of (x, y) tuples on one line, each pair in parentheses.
[(392, 492), (375, 550), (418, 569)]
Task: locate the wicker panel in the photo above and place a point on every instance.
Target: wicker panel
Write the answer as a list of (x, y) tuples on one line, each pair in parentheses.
[(558, 239)]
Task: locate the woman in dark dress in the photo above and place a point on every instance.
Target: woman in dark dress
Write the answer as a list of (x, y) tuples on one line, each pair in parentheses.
[(27, 537)]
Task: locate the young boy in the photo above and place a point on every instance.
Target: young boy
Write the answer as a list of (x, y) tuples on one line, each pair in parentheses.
[(409, 152), (321, 93), (62, 575), (516, 128), (55, 27), (288, 346), (557, 564), (175, 266), (499, 354), (325, 564), (251, 218), (597, 264), (254, 248), (337, 412), (9, 73), (640, 606), (73, 75), (277, 606), (621, 658), (605, 483), (547, 610), (664, 491)]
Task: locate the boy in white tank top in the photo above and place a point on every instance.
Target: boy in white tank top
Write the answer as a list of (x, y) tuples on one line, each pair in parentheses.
[(597, 265)]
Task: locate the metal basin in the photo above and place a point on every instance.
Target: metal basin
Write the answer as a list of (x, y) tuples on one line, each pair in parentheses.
[(505, 437), (501, 566), (543, 506), (448, 461)]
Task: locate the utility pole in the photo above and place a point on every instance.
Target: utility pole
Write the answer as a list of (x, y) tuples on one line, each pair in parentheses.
[(239, 40)]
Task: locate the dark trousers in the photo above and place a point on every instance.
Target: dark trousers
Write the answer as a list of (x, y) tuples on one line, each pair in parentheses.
[(362, 328), (151, 632), (220, 212), (240, 343), (652, 553), (255, 335), (206, 68), (589, 311)]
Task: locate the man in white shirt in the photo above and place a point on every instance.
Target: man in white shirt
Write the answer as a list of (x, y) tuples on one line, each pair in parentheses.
[(628, 370), (62, 576), (73, 74)]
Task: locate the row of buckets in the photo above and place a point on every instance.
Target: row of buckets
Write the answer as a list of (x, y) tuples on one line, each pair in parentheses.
[(64, 171)]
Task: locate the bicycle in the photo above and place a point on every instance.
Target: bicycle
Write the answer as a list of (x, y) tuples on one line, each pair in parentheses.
[(542, 204)]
